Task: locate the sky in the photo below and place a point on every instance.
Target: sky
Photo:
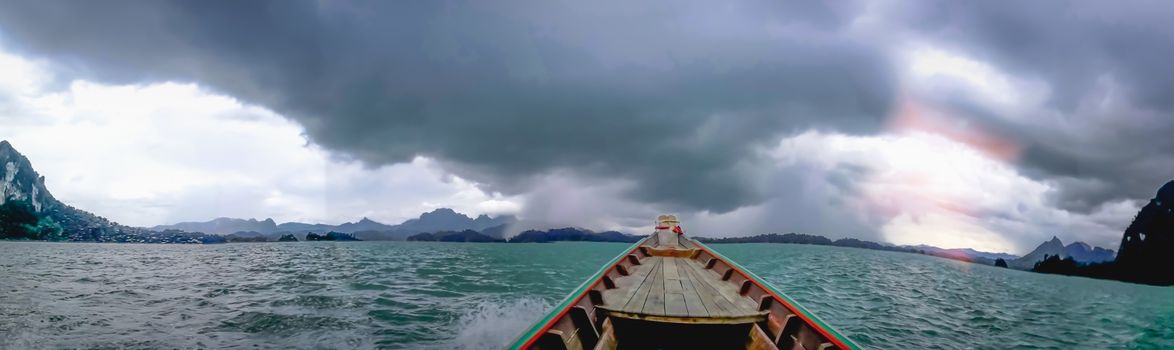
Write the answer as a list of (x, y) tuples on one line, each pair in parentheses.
[(987, 124)]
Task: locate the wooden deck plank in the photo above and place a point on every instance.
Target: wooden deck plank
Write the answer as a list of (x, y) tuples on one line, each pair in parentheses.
[(693, 302), (674, 291), (725, 289), (627, 286), (636, 302), (674, 304), (726, 294), (714, 294), (637, 273), (677, 286), (729, 290), (725, 304), (706, 294), (670, 269), (672, 276), (655, 302), (673, 286)]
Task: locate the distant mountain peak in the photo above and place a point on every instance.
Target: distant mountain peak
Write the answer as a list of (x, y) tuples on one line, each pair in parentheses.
[(446, 219), (223, 226), (1079, 251), (442, 212)]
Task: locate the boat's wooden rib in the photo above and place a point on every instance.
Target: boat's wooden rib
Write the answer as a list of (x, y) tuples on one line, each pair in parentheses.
[(669, 291)]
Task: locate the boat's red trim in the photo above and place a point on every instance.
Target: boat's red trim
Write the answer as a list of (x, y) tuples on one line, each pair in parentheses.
[(802, 315), (550, 323)]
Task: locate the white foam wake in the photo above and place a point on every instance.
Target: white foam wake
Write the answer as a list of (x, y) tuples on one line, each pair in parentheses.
[(493, 324)]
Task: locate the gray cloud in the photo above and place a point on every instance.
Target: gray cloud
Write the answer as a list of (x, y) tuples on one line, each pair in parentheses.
[(671, 96), (1105, 131)]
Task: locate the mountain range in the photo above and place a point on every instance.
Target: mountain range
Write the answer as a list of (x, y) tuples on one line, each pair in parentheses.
[(29, 212), (223, 226), (492, 234), (962, 254), (443, 219), (1079, 251)]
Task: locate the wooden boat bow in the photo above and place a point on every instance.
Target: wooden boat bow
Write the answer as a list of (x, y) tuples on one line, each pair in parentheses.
[(669, 291)]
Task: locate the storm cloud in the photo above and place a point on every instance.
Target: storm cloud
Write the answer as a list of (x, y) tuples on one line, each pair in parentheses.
[(1104, 132), (672, 97), (678, 102)]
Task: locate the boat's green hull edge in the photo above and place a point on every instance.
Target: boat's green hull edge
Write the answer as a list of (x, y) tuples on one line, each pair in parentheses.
[(571, 298), (797, 307)]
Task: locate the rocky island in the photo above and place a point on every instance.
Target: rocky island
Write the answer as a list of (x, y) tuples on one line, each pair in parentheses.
[(453, 236), (1147, 248), (330, 236), (29, 212)]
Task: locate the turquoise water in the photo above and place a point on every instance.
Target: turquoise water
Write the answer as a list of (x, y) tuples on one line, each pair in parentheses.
[(474, 296)]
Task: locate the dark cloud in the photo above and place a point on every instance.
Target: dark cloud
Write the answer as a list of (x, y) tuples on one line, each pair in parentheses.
[(1105, 131), (672, 95)]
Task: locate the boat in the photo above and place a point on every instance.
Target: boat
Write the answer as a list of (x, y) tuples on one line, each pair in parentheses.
[(669, 291)]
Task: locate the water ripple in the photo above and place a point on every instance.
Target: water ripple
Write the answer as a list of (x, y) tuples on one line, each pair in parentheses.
[(391, 295)]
